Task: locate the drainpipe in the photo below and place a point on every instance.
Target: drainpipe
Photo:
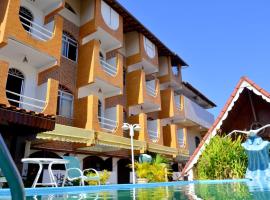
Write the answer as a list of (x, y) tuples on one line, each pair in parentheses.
[(11, 173)]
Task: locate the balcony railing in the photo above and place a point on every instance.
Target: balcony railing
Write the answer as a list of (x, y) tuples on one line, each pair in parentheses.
[(177, 100), (25, 102), (181, 137), (36, 30), (108, 68), (150, 88), (107, 124), (153, 135), (197, 114)]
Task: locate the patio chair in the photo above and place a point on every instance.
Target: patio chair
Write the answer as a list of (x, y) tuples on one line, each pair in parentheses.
[(74, 172)]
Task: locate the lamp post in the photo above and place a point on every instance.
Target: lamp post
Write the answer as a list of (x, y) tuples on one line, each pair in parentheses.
[(132, 128)]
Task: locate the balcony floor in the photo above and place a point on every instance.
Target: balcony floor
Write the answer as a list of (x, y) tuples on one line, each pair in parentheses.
[(16, 51)]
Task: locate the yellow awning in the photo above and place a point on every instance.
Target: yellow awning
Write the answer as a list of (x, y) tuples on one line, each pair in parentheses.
[(64, 133), (109, 139), (156, 148)]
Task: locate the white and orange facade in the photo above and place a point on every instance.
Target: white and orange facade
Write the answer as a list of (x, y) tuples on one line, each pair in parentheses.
[(93, 66)]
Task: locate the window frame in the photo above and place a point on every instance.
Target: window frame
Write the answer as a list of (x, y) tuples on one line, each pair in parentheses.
[(68, 40), (61, 93)]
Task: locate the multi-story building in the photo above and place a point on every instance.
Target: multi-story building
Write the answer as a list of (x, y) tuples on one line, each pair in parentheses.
[(87, 67)]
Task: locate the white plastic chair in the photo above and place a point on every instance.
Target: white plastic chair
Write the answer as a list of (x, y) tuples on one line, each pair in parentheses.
[(73, 172)]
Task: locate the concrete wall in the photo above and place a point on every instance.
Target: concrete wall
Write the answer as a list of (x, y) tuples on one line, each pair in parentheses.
[(191, 134), (132, 43), (163, 66)]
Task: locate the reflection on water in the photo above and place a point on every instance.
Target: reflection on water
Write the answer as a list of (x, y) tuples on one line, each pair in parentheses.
[(232, 191)]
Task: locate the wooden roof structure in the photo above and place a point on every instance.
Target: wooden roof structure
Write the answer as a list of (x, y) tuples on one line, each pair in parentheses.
[(247, 107)]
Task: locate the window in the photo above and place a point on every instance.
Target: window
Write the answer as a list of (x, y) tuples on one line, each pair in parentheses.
[(197, 141), (26, 18), (181, 137), (149, 48), (110, 17), (69, 47), (65, 103)]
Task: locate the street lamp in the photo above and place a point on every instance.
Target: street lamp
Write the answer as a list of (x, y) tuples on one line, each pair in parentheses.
[(132, 128)]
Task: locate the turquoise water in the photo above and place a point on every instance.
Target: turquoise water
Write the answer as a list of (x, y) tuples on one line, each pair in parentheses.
[(210, 190)]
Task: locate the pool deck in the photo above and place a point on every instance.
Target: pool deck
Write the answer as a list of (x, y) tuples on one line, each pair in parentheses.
[(81, 189)]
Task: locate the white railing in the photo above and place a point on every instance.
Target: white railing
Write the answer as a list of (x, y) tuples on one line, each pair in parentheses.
[(177, 100), (37, 30), (150, 88), (108, 68), (31, 101), (197, 114), (107, 124), (181, 137), (153, 135)]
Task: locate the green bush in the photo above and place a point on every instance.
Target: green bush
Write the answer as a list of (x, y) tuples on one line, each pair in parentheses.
[(223, 158)]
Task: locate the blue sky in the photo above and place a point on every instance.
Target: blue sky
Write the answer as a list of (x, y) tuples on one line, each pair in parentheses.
[(221, 40)]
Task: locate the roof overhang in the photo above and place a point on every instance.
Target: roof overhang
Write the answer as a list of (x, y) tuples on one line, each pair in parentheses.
[(133, 24)]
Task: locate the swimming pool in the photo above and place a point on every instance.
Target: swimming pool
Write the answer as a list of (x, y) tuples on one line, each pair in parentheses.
[(227, 189)]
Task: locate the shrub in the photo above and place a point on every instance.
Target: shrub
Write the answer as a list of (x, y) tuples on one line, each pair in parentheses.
[(156, 171), (104, 177), (223, 158)]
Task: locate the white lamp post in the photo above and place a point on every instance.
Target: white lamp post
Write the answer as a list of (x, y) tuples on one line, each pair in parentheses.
[(132, 128)]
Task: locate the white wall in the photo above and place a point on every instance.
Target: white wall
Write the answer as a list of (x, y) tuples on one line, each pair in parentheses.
[(132, 43), (163, 66), (191, 134), (30, 82)]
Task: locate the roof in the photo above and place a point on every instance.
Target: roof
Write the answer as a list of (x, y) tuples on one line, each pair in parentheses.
[(22, 118), (205, 102), (244, 83), (133, 24)]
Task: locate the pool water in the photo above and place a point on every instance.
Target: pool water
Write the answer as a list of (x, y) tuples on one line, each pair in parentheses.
[(209, 190)]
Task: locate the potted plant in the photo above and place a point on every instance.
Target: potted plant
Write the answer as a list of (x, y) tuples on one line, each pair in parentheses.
[(142, 171)]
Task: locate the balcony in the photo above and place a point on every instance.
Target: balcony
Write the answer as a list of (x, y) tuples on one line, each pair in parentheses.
[(110, 69), (105, 25), (141, 53), (151, 130), (168, 75), (107, 120), (21, 92), (172, 137), (142, 95), (34, 30), (97, 75), (171, 105), (90, 114), (194, 115), (152, 133)]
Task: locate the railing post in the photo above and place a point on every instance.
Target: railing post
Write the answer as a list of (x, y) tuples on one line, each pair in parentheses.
[(11, 172)]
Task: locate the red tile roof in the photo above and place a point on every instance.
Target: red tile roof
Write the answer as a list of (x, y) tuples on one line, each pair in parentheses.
[(220, 116), (18, 116)]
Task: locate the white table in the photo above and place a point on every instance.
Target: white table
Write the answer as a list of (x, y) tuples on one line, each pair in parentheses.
[(41, 162)]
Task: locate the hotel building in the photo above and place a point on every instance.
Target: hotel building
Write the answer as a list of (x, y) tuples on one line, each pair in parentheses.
[(72, 72)]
